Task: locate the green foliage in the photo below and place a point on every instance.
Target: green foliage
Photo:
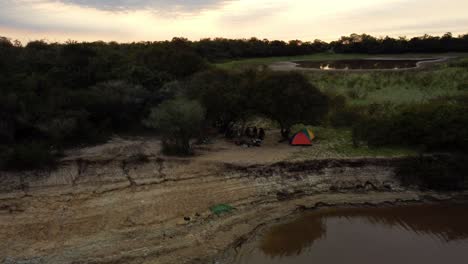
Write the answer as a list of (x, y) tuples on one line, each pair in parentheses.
[(426, 126), (27, 156), (460, 63), (62, 95), (341, 114), (403, 87), (178, 120), (289, 98), (332, 142), (226, 96)]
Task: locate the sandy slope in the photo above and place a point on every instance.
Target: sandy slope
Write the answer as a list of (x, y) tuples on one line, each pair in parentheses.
[(123, 202)]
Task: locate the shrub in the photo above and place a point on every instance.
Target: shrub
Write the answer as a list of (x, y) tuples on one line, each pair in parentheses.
[(178, 121), (28, 156), (434, 127)]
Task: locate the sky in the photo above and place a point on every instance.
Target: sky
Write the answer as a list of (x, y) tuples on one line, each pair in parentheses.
[(152, 20)]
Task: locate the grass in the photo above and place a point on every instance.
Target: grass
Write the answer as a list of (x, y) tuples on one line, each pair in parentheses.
[(338, 143), (398, 88), (364, 88), (406, 87)]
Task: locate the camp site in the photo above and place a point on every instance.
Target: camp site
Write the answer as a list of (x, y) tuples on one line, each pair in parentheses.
[(233, 132)]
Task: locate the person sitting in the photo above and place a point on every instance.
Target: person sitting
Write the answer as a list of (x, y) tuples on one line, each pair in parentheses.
[(248, 133), (255, 132), (261, 134)]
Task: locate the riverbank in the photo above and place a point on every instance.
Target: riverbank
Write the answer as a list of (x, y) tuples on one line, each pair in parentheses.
[(125, 203), (423, 62), (314, 235)]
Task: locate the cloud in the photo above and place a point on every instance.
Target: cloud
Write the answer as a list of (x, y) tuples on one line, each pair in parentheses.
[(40, 15), (252, 16), (135, 20), (154, 5)]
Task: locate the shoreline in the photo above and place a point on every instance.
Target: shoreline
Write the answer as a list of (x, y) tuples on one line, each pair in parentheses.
[(292, 66), (231, 254), (156, 210)]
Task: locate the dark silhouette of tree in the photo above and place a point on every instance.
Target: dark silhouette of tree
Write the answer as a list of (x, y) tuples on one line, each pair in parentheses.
[(289, 98)]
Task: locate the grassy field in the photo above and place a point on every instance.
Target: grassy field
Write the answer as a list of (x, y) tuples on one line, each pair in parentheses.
[(401, 87), (442, 81), (404, 87)]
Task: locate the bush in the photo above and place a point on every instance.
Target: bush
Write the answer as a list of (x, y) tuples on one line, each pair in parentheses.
[(28, 156), (434, 127), (178, 121)]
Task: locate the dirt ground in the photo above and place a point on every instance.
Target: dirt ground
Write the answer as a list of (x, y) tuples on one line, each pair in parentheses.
[(124, 202)]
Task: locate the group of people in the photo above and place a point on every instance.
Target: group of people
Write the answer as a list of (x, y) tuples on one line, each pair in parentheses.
[(253, 137), (254, 133)]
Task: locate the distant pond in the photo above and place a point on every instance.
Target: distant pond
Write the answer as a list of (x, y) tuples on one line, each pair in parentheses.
[(362, 64), (389, 235)]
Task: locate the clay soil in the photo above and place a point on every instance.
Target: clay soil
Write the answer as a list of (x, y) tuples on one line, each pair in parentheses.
[(124, 202)]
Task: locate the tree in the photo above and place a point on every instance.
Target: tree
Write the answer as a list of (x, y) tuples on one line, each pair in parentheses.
[(289, 99), (5, 42), (178, 120), (225, 96)]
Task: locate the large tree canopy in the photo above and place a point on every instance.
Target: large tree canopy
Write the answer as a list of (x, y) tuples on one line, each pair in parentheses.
[(289, 98)]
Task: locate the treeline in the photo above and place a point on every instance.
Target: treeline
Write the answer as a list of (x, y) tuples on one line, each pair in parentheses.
[(56, 96), (425, 44), (219, 49)]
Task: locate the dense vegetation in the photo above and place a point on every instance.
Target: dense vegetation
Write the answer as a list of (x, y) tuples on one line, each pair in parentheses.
[(436, 126), (424, 110), (426, 44), (54, 96)]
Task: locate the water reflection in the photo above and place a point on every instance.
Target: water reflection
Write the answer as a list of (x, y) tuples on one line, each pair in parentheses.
[(361, 64), (407, 232), (290, 239)]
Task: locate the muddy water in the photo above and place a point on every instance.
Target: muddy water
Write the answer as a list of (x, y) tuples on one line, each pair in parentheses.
[(360, 64), (410, 234)]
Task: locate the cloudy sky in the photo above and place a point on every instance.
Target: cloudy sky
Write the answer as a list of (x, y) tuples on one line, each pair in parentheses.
[(127, 20)]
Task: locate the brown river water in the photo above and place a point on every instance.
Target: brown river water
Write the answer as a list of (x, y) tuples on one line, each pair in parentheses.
[(362, 64), (436, 233)]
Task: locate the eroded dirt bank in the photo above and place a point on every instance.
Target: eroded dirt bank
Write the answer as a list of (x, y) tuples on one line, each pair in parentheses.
[(151, 209)]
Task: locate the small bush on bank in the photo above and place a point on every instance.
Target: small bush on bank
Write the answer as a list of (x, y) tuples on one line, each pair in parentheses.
[(178, 120), (28, 156)]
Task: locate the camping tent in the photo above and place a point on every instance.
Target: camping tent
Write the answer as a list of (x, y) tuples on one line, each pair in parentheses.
[(303, 138)]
